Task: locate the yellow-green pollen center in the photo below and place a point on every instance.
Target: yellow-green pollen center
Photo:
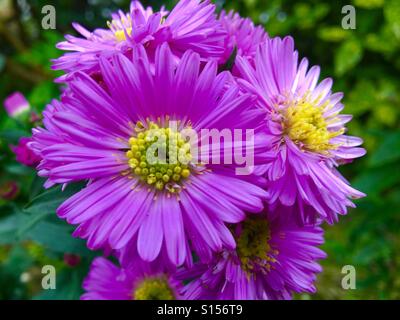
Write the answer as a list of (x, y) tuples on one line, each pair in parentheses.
[(118, 32), (304, 123), (156, 288), (159, 156), (252, 245)]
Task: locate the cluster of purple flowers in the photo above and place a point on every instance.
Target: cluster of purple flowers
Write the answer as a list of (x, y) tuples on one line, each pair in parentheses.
[(186, 230)]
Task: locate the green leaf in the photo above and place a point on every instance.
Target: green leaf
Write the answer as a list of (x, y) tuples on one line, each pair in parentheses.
[(2, 62), (18, 169), (231, 61), (68, 287), (369, 4), (48, 201), (12, 136), (387, 152), (46, 204), (58, 238), (332, 34), (392, 15), (36, 187), (361, 99), (42, 94), (8, 227), (374, 181), (348, 56)]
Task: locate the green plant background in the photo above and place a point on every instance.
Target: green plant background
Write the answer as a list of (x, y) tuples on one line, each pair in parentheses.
[(364, 63)]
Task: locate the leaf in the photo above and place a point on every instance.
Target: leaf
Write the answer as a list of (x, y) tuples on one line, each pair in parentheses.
[(36, 187), (361, 99), (18, 169), (48, 201), (369, 4), (68, 287), (348, 56), (12, 136), (374, 181), (58, 238), (46, 204), (392, 15), (43, 93), (8, 227), (2, 62), (18, 260), (332, 34), (387, 152), (231, 61)]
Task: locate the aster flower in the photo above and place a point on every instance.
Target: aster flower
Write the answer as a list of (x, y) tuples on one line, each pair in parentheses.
[(306, 139), (192, 24), (242, 34), (25, 154), (16, 104), (272, 260), (104, 134), (145, 281)]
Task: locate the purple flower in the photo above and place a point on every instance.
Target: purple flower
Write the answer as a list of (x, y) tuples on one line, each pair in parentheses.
[(242, 34), (25, 154), (272, 260), (144, 281), (192, 24), (16, 104), (103, 134), (307, 140)]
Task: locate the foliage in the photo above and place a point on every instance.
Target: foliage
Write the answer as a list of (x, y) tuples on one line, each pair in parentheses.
[(364, 63)]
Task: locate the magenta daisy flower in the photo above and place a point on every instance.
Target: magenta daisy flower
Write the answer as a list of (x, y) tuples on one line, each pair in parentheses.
[(306, 137), (104, 134), (272, 260), (192, 24), (145, 281), (242, 34)]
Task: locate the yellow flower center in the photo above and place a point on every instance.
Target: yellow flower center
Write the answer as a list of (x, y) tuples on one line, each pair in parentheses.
[(252, 245), (156, 288), (304, 123), (118, 29), (120, 34), (159, 156)]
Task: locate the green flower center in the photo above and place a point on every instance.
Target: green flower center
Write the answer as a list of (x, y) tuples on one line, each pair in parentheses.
[(159, 156), (154, 289), (252, 245)]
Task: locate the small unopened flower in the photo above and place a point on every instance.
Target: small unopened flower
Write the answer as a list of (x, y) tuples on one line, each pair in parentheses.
[(25, 154), (71, 260), (34, 118), (9, 190), (16, 105)]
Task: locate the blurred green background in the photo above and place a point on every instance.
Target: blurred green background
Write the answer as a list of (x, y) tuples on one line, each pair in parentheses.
[(365, 65)]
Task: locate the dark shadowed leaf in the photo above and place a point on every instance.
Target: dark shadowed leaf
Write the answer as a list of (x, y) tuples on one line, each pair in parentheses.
[(387, 152)]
